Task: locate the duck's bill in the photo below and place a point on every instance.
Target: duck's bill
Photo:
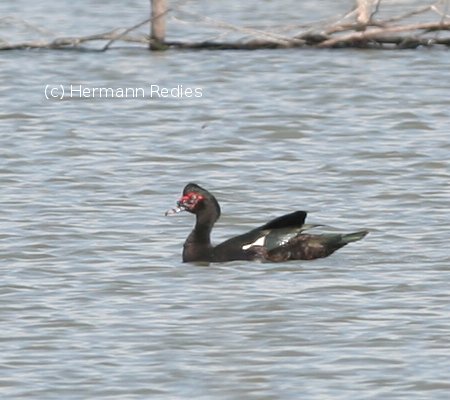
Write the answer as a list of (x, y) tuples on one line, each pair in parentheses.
[(174, 211)]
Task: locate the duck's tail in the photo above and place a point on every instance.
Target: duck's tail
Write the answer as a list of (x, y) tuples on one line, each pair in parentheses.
[(353, 237)]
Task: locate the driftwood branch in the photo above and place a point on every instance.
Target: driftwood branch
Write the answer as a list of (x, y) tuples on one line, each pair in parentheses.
[(361, 27), (74, 42), (377, 34)]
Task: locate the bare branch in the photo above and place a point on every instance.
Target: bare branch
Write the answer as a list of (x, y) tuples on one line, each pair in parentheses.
[(273, 37), (420, 10), (376, 8), (379, 32), (120, 36)]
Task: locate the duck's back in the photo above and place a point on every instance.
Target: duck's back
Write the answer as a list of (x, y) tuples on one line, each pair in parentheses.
[(256, 244)]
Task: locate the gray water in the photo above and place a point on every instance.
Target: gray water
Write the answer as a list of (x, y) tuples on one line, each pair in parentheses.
[(94, 300)]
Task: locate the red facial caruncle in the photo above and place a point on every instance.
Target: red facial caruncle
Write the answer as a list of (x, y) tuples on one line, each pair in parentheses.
[(190, 200)]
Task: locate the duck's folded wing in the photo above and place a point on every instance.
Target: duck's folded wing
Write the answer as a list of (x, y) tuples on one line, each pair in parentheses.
[(273, 234), (271, 239), (281, 237), (295, 219)]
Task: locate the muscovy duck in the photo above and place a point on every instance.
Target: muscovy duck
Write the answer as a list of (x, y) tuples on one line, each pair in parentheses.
[(283, 238)]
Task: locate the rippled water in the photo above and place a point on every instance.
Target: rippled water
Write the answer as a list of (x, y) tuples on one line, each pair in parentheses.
[(94, 301)]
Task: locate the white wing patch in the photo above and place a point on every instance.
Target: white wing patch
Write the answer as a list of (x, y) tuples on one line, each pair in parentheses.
[(258, 242)]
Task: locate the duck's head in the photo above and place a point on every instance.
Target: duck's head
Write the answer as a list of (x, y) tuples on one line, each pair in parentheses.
[(195, 199)]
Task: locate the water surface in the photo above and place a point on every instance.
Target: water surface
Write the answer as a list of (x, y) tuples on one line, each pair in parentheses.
[(94, 299)]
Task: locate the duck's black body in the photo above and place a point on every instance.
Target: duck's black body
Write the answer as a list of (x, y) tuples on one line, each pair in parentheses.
[(281, 239)]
